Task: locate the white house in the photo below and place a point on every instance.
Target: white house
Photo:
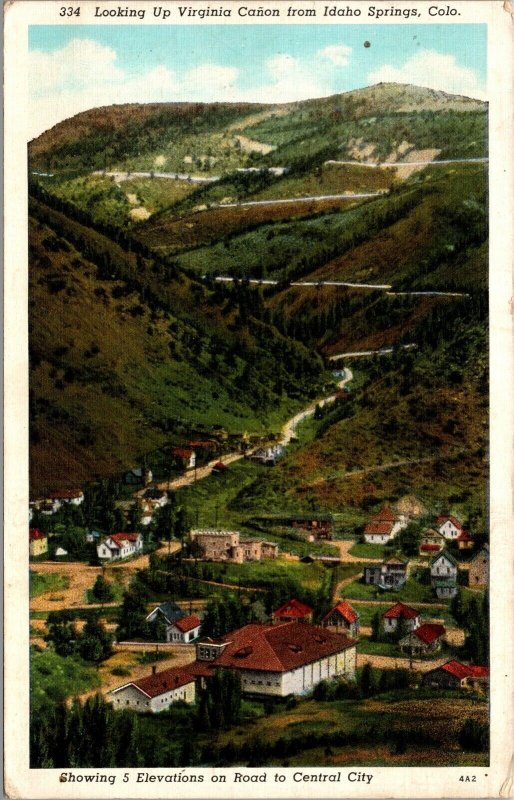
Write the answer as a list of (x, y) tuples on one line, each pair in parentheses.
[(73, 497), (394, 616), (156, 692), (443, 575), (185, 455), (120, 545), (384, 526), (183, 630), (443, 565), (449, 526), (278, 660)]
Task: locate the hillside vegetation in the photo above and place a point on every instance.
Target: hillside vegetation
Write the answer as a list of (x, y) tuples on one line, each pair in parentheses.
[(133, 343), (119, 364)]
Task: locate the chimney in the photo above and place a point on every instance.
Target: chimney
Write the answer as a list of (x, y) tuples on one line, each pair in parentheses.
[(154, 669)]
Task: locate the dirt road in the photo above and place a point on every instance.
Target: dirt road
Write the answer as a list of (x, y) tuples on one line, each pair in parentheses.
[(392, 662), (288, 430), (344, 546)]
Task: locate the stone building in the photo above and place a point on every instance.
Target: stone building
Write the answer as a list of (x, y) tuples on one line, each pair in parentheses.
[(219, 545), (479, 568)]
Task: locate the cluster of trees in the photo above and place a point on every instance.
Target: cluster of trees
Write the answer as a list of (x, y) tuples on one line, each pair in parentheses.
[(226, 614), (132, 622), (472, 614), (86, 735), (219, 704), (93, 643)]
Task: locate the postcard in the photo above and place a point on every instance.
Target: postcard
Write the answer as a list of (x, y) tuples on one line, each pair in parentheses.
[(258, 399)]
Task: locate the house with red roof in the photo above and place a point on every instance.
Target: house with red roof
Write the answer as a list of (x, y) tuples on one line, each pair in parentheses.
[(399, 614), (156, 692), (342, 618), (293, 611), (185, 456), (455, 675), (423, 641), (465, 541), (279, 659), (74, 497), (184, 630), (38, 543), (432, 542), (449, 526), (120, 545), (384, 526)]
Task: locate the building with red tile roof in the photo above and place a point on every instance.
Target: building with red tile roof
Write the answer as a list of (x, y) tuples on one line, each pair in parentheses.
[(423, 640), (464, 541), (384, 526), (449, 526), (74, 496), (342, 618), (156, 692), (455, 675), (279, 659), (399, 613), (293, 610), (184, 630), (120, 545), (185, 455)]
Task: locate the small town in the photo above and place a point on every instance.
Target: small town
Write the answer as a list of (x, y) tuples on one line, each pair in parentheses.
[(178, 616)]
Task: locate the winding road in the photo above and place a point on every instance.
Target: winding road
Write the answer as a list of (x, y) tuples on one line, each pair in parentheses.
[(389, 164), (312, 199), (382, 352)]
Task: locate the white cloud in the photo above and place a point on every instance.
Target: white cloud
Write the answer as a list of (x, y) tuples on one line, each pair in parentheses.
[(72, 65), (207, 80), (435, 71), (337, 54)]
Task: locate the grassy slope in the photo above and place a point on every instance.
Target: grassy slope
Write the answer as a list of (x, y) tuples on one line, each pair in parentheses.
[(108, 372)]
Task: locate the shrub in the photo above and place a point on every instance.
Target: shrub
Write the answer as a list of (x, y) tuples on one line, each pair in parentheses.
[(474, 736), (122, 672)]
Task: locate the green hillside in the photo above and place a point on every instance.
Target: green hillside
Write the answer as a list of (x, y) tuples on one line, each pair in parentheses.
[(118, 368), (133, 344), (389, 122)]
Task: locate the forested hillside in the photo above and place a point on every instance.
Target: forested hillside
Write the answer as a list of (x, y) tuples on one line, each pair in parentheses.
[(125, 354)]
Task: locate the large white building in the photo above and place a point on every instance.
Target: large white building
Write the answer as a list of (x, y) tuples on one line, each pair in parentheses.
[(156, 692), (281, 659)]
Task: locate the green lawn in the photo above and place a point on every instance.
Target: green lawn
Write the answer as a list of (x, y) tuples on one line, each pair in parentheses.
[(367, 612), (54, 678), (362, 550), (268, 573), (377, 648), (47, 582), (411, 592)]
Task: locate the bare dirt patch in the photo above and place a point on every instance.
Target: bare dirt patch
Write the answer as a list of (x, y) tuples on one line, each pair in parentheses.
[(251, 146), (140, 213)]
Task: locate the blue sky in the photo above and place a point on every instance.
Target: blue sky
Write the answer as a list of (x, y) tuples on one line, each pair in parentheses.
[(78, 67)]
